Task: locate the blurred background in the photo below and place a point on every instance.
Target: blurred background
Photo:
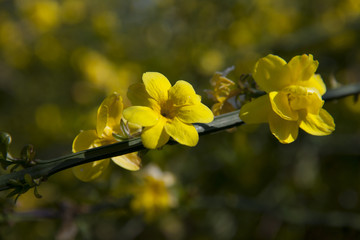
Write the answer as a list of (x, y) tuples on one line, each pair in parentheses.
[(60, 59)]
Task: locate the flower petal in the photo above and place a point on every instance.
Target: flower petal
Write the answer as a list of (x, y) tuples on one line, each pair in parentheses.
[(183, 93), (285, 131), (256, 111), (84, 140), (109, 113), (304, 98), (89, 171), (280, 104), (271, 74), (155, 136), (138, 95), (183, 133), (130, 161), (319, 125), (143, 116), (157, 85), (221, 108), (198, 113), (315, 82), (102, 117), (302, 67)]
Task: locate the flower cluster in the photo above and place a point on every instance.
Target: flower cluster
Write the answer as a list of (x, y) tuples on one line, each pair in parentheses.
[(160, 111), (108, 123), (293, 99)]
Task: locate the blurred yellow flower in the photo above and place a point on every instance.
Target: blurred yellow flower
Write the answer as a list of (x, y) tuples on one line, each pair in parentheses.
[(108, 122), (152, 195), (43, 14), (166, 111), (293, 98)]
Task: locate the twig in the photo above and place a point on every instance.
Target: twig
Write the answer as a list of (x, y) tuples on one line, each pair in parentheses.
[(342, 92), (46, 168)]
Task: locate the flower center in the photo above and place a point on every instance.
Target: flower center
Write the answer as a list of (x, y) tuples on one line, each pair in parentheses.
[(168, 110)]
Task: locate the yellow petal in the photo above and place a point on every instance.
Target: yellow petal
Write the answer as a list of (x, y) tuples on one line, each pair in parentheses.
[(183, 93), (157, 85), (115, 111), (138, 95), (109, 113), (102, 117), (216, 109), (315, 82), (89, 171), (285, 131), (319, 125), (129, 161), (304, 98), (221, 108), (198, 113), (302, 67), (183, 133), (271, 74), (84, 140), (155, 136), (140, 115), (104, 141), (256, 111), (280, 104)]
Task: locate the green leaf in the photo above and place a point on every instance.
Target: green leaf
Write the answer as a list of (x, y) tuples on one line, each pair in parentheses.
[(28, 153), (36, 193), (15, 183), (5, 140), (28, 179), (119, 137), (13, 193)]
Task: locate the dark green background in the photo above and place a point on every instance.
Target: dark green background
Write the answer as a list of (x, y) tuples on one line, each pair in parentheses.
[(60, 59)]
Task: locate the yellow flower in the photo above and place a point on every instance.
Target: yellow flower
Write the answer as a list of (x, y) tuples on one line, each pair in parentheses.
[(293, 99), (108, 122), (166, 111), (153, 194), (223, 90)]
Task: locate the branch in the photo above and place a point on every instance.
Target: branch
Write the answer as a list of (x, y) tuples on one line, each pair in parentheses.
[(46, 168), (341, 92)]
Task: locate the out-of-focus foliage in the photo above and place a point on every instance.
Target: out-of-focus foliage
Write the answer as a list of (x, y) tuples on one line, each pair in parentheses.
[(59, 59)]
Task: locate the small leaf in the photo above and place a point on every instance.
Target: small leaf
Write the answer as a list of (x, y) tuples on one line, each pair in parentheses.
[(119, 137), (15, 183), (28, 179), (36, 193), (125, 128), (14, 167), (28, 153), (13, 193), (5, 140)]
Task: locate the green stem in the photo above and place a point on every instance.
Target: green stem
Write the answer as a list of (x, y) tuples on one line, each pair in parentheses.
[(46, 168), (342, 92)]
